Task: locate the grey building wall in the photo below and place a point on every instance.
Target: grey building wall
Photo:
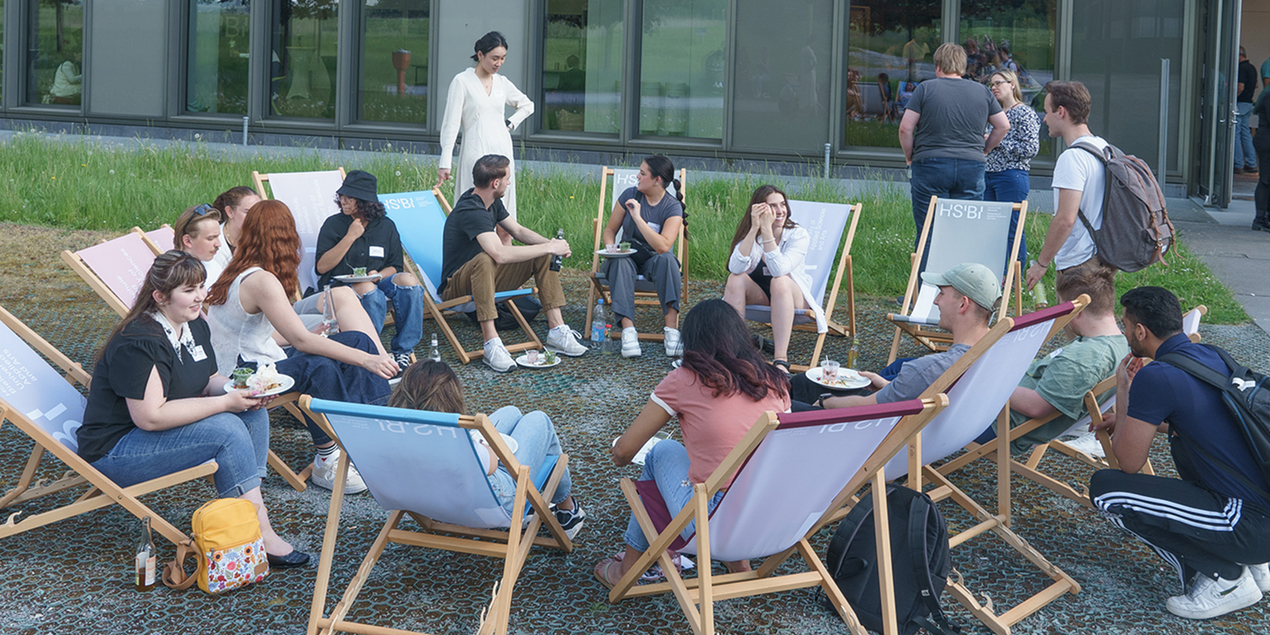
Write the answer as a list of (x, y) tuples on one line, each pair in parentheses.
[(466, 21), (129, 65)]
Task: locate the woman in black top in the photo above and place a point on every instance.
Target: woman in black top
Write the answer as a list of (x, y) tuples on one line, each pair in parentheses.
[(157, 406), (1261, 142)]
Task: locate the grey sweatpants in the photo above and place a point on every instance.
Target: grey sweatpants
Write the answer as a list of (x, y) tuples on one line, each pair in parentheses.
[(661, 270)]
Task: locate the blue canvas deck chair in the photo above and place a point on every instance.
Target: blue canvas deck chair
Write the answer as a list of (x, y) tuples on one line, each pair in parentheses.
[(958, 231), (826, 223), (311, 198), (397, 450), (980, 394), (645, 293), (420, 219), (43, 402), (825, 457)]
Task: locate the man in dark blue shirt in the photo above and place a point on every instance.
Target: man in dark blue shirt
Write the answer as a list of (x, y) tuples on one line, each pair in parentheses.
[(1209, 524)]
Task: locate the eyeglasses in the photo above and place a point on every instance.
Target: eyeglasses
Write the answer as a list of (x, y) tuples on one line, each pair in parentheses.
[(998, 83), (204, 209)]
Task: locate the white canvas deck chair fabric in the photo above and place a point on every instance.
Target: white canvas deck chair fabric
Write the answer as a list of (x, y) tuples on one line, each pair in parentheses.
[(43, 402), (979, 395), (114, 269), (825, 457), (826, 223), (645, 293), (311, 198), (420, 219), (396, 450), (959, 231)]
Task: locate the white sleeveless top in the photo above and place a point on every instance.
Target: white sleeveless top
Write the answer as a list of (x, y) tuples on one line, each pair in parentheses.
[(238, 333)]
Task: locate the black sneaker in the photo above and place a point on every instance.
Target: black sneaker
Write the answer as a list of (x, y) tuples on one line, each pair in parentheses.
[(570, 519), (403, 361)]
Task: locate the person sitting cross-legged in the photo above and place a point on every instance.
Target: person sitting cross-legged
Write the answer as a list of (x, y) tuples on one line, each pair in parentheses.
[(474, 261)]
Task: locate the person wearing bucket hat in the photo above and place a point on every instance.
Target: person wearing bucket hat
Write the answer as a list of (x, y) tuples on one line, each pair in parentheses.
[(968, 295), (362, 236)]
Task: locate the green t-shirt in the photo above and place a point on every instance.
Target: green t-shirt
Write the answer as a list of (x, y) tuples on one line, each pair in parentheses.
[(1063, 377)]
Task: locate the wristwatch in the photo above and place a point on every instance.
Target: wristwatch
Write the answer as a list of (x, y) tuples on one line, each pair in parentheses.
[(820, 401)]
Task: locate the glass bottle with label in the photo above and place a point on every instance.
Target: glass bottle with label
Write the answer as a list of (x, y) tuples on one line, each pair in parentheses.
[(328, 312), (435, 353), (145, 561)]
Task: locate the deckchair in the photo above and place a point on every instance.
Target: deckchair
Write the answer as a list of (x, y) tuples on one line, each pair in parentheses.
[(980, 393), (959, 231), (161, 239), (826, 457), (396, 451), (645, 293), (35, 397), (311, 198), (826, 223), (420, 219)]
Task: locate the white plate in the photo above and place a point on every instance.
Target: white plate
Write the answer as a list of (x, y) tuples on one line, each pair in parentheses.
[(639, 457), (350, 279), (512, 445), (847, 379), (615, 254), (287, 383), (523, 360)]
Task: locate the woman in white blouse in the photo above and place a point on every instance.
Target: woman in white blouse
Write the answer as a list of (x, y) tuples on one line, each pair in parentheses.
[(768, 266), (476, 103)]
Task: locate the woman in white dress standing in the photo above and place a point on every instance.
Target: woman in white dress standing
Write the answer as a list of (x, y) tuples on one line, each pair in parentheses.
[(476, 104)]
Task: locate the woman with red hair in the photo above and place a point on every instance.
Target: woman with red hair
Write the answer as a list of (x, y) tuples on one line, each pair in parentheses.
[(251, 299)]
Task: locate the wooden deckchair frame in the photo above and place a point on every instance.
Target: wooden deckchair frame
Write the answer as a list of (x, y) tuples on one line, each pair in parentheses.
[(642, 298), (513, 547), (696, 596), (937, 339), (101, 492)]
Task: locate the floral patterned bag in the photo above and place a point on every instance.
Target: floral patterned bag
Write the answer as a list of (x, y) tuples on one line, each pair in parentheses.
[(230, 551)]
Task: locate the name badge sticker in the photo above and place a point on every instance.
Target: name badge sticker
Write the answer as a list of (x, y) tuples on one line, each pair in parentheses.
[(197, 354), (376, 251)]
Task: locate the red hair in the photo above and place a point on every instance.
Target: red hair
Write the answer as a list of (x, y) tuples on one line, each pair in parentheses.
[(268, 241)]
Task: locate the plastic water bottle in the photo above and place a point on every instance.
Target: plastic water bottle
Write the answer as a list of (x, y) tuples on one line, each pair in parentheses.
[(328, 313), (435, 353), (1038, 293), (555, 260)]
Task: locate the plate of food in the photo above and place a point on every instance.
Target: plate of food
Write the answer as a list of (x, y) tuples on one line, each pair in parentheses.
[(262, 382), (615, 253), (847, 379), (358, 275), (477, 437), (545, 359)]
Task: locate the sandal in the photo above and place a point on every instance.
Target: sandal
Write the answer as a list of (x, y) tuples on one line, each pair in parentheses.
[(609, 570), (782, 364)]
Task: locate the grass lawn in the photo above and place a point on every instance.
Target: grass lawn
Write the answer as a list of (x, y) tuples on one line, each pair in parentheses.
[(75, 184)]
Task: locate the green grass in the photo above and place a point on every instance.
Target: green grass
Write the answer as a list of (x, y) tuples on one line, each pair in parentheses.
[(75, 184)]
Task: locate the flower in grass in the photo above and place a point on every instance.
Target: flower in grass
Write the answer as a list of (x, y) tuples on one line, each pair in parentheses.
[(398, 172), (112, 171)]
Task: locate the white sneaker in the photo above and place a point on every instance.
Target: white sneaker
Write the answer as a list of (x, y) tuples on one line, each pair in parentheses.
[(565, 341), (1089, 444), (630, 342), (497, 357), (325, 469), (1210, 598), (1261, 575), (674, 346)]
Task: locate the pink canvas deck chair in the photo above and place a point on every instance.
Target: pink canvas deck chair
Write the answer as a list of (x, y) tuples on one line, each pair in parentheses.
[(311, 198), (114, 269)]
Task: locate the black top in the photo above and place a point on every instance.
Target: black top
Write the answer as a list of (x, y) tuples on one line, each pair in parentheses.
[(469, 219), (124, 371), (1247, 75), (378, 247)]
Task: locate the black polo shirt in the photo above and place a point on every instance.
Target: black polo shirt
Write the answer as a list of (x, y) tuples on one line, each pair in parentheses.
[(469, 219), (377, 248)]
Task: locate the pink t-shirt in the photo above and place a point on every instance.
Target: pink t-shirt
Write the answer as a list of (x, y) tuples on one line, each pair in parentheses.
[(711, 425)]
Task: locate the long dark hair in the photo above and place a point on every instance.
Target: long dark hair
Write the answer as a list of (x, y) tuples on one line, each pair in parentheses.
[(171, 271), (487, 43), (719, 350), (659, 167), (232, 197), (760, 196), (369, 210)]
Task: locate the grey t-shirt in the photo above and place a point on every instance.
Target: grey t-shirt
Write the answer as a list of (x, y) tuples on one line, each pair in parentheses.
[(654, 215), (918, 374), (954, 113)]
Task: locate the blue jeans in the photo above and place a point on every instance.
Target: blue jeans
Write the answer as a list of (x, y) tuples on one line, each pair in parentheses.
[(960, 179), (667, 465), (1010, 186), (535, 441), (407, 313), (238, 441), (1245, 154)]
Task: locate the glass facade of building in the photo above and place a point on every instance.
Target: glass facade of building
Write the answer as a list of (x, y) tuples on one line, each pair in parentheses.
[(582, 66), (218, 54), (54, 61), (393, 61)]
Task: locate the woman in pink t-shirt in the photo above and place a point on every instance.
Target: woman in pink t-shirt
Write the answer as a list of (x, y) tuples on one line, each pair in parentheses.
[(720, 391)]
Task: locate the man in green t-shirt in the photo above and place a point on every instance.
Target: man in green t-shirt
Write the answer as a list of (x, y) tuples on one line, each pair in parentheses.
[(1058, 381)]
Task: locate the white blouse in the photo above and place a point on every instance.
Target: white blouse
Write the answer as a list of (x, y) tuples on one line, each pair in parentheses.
[(788, 259), (480, 117)]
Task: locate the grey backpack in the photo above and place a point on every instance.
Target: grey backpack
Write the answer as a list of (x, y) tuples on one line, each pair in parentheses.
[(1135, 230)]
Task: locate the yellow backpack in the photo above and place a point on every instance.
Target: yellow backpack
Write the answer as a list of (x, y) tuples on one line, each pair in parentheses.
[(231, 552)]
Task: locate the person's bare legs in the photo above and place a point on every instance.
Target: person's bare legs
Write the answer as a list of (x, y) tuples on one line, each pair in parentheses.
[(786, 297), (672, 317), (351, 315), (274, 544)]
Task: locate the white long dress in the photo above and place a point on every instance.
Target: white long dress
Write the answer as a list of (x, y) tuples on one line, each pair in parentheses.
[(480, 116)]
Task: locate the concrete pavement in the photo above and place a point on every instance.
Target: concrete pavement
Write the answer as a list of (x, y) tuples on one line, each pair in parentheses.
[(1239, 257)]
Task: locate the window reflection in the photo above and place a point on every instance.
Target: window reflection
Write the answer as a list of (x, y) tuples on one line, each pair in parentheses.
[(394, 61), (302, 68), (682, 68), (54, 71), (582, 65), (218, 55), (890, 47)]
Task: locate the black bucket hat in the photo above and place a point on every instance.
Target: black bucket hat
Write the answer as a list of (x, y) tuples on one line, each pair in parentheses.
[(360, 184)]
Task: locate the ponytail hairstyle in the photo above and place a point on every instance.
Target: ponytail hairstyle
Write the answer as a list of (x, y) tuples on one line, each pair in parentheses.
[(760, 196), (659, 167), (487, 43), (171, 270), (231, 198), (268, 241)]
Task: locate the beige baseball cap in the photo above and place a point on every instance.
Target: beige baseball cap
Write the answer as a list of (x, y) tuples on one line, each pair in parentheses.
[(970, 279)]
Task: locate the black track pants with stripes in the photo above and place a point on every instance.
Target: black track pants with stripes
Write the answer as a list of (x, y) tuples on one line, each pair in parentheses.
[(1191, 527)]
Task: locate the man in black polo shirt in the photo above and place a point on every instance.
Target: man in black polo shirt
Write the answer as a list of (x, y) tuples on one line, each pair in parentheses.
[(1212, 524), (474, 261)]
